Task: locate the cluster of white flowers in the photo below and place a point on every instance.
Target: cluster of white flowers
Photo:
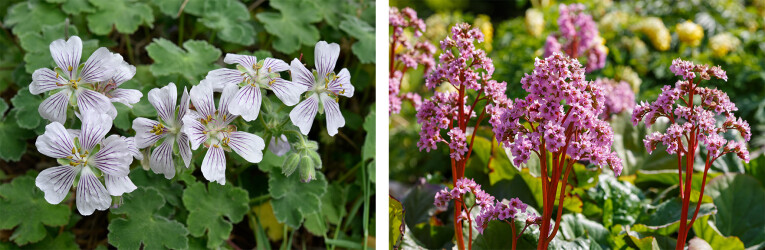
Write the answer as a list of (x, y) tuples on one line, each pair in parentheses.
[(101, 163)]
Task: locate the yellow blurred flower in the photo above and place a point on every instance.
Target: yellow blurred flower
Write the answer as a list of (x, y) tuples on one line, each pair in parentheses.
[(483, 23), (268, 221), (535, 22), (654, 28), (690, 33), (437, 27), (625, 73), (723, 43), (612, 21)]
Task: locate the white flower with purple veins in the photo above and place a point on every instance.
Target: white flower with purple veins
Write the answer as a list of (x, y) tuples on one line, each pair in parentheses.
[(85, 155), (212, 128), (324, 88), (250, 76), (72, 79), (111, 87), (279, 145), (169, 127)]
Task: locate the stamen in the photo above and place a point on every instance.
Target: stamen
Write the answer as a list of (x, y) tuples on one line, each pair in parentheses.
[(70, 67)]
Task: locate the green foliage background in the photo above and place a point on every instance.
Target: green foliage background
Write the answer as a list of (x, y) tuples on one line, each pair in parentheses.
[(180, 41), (640, 209)]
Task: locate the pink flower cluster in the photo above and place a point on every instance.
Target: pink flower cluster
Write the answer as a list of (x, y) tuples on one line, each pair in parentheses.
[(673, 103), (562, 111), (579, 35), (619, 96), (409, 55), (491, 209), (438, 113), (469, 67)]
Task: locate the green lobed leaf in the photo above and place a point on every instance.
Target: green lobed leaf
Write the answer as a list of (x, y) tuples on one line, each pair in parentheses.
[(26, 211), (292, 199), (75, 7), (208, 207), (25, 104), (333, 202), (192, 62), (3, 108), (13, 138), (141, 225), (740, 201), (124, 15), (316, 224), (63, 241), (364, 48), (170, 190), (37, 46), (292, 25), (230, 18), (31, 16)]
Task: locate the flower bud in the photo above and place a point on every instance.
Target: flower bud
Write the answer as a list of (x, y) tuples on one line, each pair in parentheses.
[(690, 33), (291, 163), (315, 158), (307, 170)]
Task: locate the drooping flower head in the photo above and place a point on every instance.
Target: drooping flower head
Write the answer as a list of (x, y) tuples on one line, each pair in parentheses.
[(578, 35), (72, 83), (676, 104), (212, 128), (169, 129), (250, 76), (619, 96), (324, 87), (562, 109), (85, 156), (409, 52), (111, 87)]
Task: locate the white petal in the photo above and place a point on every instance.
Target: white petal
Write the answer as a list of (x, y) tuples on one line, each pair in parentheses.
[(183, 107), (126, 96), (67, 54), (44, 80), (132, 148), (194, 129), (287, 91), (202, 98), (117, 186), (91, 194), (246, 103), (244, 60), (279, 145), (55, 182), (342, 84), (56, 142), (54, 108), (301, 75), (88, 100), (94, 128), (335, 119), (275, 65), (226, 98), (162, 159), (123, 71), (100, 66), (114, 158), (214, 165), (304, 113), (163, 101), (183, 148), (220, 78), (143, 136), (247, 145), (325, 57)]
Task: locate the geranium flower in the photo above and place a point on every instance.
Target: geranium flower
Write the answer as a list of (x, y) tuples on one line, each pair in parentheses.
[(111, 87), (250, 76), (212, 128), (88, 155), (71, 78), (279, 145), (324, 88), (170, 127)]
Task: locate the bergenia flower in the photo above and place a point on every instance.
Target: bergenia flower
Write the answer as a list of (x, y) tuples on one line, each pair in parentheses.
[(71, 79), (111, 87), (213, 128), (87, 154), (170, 127), (250, 76), (324, 88)]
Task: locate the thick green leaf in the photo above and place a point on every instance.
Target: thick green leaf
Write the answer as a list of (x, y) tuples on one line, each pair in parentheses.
[(193, 63), (141, 225), (706, 229), (668, 178), (756, 168), (740, 201), (620, 200), (293, 200), (571, 202), (292, 25), (396, 215), (31, 16), (25, 104), (364, 48), (576, 226), (124, 15), (208, 207), (419, 211), (26, 211), (230, 18), (668, 213)]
